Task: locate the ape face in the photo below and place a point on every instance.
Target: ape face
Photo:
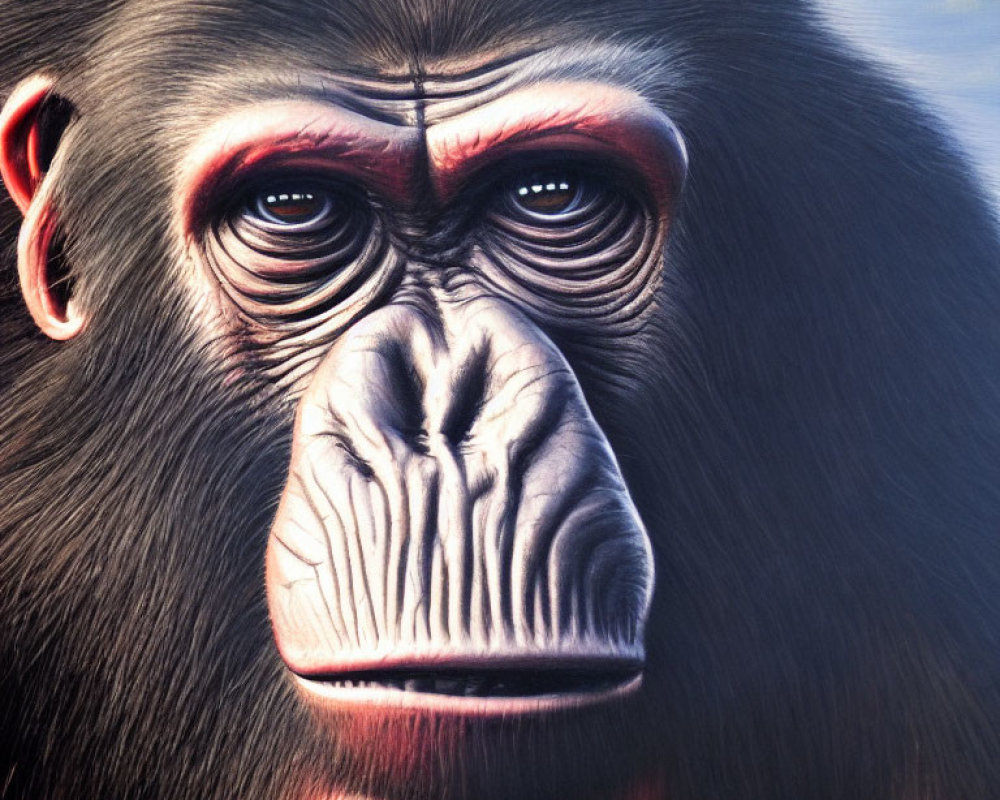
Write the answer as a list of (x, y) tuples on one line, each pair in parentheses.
[(422, 429), (454, 518), (454, 537)]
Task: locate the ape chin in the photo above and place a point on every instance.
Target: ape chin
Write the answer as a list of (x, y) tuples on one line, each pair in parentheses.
[(439, 399)]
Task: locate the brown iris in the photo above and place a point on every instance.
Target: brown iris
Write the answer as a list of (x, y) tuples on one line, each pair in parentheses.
[(292, 206), (547, 193)]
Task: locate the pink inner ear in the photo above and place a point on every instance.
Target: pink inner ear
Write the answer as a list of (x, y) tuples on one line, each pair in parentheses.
[(50, 314), (31, 149), (19, 140)]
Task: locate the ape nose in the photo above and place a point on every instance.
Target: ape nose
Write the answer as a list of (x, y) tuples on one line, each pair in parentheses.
[(478, 378), (452, 500), (424, 382), (475, 381)]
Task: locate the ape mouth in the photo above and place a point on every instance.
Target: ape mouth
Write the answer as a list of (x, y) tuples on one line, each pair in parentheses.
[(479, 690), (484, 682)]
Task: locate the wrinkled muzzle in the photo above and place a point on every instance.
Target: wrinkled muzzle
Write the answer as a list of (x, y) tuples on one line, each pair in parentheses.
[(452, 505)]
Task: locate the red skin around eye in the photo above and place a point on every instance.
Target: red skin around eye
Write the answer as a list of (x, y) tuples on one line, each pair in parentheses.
[(306, 136), (586, 118)]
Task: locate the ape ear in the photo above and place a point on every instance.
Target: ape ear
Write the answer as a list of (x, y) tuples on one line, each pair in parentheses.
[(31, 124), (32, 120)]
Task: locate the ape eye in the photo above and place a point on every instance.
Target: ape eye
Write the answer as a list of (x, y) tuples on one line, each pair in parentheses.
[(547, 194), (568, 236), (301, 207), (294, 245)]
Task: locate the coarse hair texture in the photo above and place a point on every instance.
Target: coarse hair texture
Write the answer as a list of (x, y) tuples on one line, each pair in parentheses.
[(810, 427)]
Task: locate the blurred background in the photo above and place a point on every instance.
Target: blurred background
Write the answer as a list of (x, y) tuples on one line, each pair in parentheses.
[(949, 50)]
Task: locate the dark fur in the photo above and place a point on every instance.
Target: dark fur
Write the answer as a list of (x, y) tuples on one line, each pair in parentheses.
[(815, 445)]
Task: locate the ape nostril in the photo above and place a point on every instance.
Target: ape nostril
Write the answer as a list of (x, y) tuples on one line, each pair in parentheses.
[(405, 386), (458, 425), (467, 399)]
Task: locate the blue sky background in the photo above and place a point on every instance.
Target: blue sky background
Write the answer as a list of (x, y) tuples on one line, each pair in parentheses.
[(950, 50)]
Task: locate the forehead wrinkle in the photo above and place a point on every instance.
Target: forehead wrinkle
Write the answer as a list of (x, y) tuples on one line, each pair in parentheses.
[(394, 105), (439, 92), (617, 62), (640, 69)]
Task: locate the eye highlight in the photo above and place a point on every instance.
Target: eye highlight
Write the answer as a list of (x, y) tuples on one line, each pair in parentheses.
[(298, 206), (547, 194)]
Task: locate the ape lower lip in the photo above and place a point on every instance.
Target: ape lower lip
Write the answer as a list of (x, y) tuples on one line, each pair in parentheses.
[(478, 692)]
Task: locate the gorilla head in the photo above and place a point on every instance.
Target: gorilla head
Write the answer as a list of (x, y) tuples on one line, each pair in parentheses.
[(410, 400)]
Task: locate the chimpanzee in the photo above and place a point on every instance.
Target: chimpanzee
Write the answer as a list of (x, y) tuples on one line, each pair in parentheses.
[(417, 399)]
